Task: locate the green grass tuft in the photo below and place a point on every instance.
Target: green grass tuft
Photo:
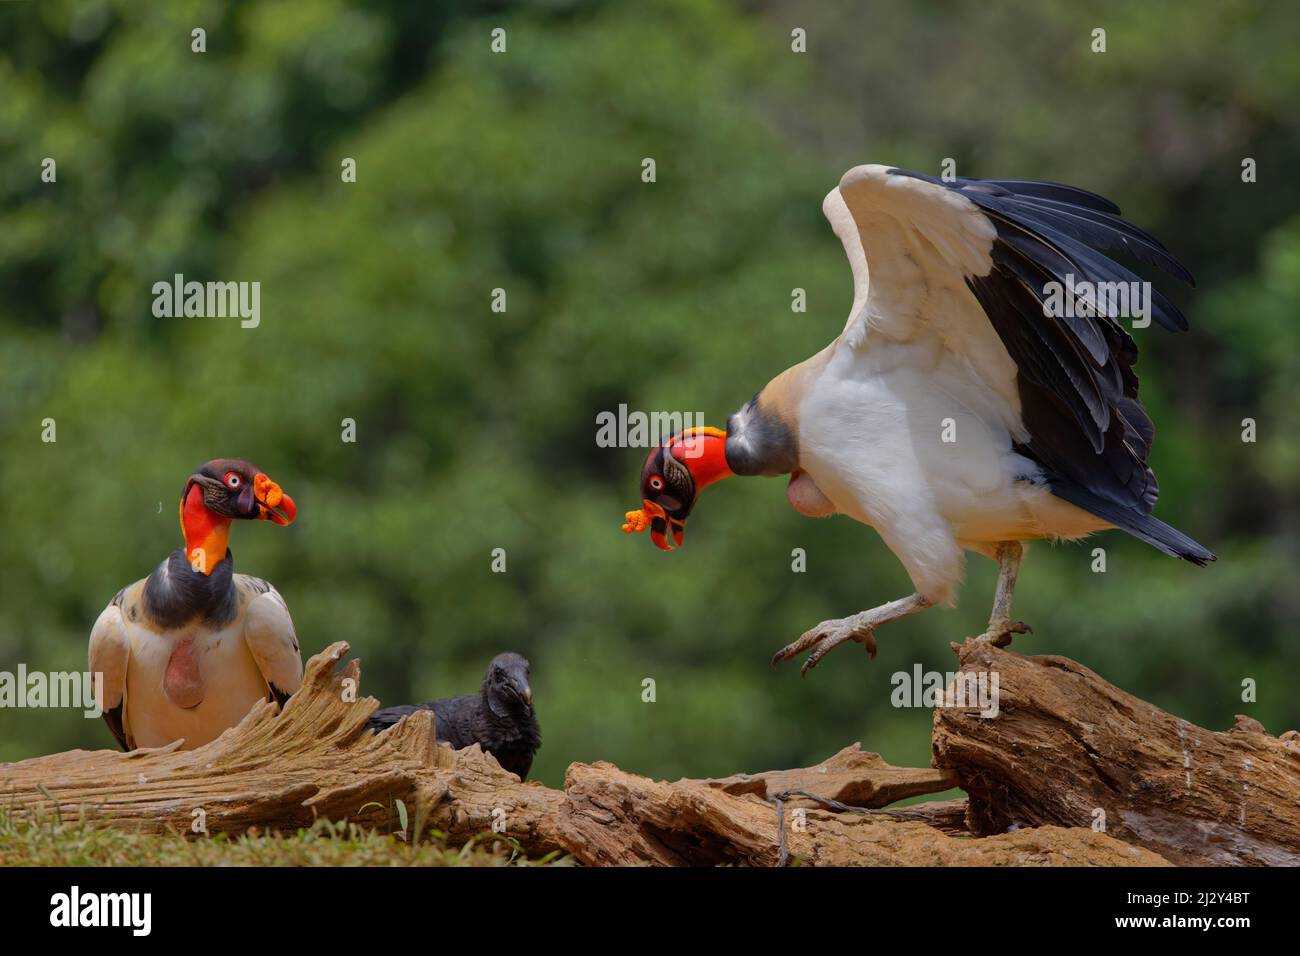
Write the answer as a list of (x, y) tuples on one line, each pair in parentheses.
[(51, 842)]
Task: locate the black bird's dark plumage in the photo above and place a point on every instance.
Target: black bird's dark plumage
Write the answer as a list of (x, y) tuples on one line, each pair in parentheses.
[(499, 718), (1078, 392)]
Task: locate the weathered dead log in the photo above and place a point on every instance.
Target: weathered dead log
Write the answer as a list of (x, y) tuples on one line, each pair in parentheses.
[(617, 818), (853, 776), (280, 771), (946, 815), (1068, 748)]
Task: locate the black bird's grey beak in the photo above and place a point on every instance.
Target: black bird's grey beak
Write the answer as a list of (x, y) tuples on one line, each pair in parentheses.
[(523, 690)]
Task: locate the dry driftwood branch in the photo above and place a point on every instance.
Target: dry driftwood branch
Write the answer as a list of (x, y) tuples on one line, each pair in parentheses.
[(946, 815), (623, 818), (280, 771), (1067, 744), (852, 776)]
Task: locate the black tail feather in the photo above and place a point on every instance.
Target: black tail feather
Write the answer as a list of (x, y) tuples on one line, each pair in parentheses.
[(1143, 527)]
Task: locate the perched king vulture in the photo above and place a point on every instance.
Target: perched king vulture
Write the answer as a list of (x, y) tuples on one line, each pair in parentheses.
[(188, 650), (969, 403)]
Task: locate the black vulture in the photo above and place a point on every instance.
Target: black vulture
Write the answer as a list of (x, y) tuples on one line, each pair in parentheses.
[(499, 718)]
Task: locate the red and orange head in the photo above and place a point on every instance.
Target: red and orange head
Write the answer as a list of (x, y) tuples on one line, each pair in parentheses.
[(675, 472), (218, 492)]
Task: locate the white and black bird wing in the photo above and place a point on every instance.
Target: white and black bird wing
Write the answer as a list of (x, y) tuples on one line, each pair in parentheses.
[(270, 636), (109, 655), (965, 267)]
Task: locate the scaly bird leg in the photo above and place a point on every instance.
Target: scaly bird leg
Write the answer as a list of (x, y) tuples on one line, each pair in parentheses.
[(861, 627), (1001, 627)]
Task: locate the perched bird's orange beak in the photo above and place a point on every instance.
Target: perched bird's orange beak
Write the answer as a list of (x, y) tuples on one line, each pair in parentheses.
[(272, 503), (654, 516)]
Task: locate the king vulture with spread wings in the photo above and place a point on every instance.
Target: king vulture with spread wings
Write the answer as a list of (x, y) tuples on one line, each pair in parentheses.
[(981, 394), (187, 651)]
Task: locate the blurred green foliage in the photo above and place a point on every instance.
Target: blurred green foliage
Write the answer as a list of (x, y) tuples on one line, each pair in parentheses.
[(476, 429)]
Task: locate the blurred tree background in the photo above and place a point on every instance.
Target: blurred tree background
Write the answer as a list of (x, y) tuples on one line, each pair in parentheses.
[(476, 430)]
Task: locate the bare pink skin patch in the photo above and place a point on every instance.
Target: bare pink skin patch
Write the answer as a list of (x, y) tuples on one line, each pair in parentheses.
[(806, 498), (182, 682)]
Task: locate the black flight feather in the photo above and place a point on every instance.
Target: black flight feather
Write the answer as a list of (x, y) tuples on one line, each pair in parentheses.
[(1078, 391)]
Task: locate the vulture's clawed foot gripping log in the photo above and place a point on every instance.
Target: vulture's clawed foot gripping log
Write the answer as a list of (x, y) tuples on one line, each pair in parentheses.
[(1001, 627), (861, 627), (999, 635)]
